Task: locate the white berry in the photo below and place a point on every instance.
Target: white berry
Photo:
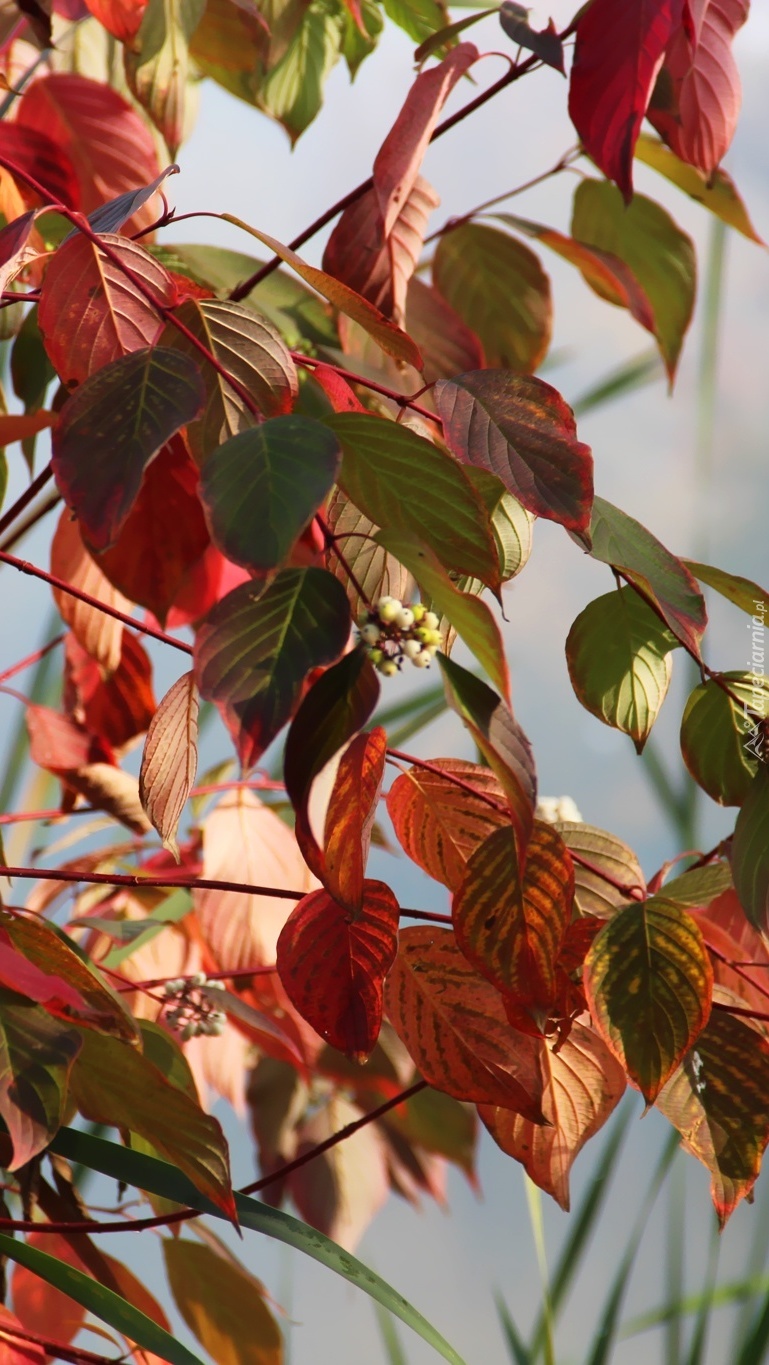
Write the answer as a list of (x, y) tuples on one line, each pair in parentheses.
[(422, 659), (411, 648), (430, 620), (370, 634), (405, 618)]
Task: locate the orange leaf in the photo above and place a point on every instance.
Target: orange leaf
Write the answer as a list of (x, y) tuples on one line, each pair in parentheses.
[(333, 964), (509, 924), (99, 634), (584, 1086), (439, 822), (350, 817), (18, 426), (453, 1023), (42, 1308), (15, 1349), (170, 758), (118, 708)]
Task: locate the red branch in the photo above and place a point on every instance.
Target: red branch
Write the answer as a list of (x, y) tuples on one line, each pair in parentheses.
[(31, 659), (90, 1228), (76, 1354), (24, 566), (49, 874), (309, 362)]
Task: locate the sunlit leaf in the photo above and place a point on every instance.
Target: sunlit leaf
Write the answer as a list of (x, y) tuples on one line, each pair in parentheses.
[(100, 634), (741, 591), (500, 291), (333, 962), (618, 655), (606, 870), (660, 255), (377, 573), (510, 921), (716, 192), (447, 344), (454, 1025), (520, 429), (439, 822), (722, 737), (293, 89), (352, 808), (170, 759), (111, 428), (255, 649), (718, 1102), (157, 64), (585, 1085), (341, 1191), (222, 1304), (649, 984), (262, 487)]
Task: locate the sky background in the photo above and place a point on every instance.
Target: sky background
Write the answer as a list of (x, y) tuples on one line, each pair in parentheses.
[(645, 452)]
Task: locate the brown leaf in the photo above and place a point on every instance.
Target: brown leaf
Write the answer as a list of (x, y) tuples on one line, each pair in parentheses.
[(170, 758)]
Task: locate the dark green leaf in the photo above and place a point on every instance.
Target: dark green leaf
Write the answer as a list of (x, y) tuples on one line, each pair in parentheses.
[(255, 649), (404, 483), (750, 852), (720, 740), (111, 428), (262, 488)]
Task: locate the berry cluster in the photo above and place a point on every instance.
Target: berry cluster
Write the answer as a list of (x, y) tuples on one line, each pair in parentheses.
[(392, 632), (194, 1013)]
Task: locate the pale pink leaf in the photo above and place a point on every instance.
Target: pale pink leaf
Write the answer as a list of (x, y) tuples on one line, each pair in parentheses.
[(340, 1192), (170, 759), (100, 634), (399, 158), (245, 841)]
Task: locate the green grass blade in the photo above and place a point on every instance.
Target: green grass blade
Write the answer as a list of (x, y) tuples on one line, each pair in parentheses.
[(390, 1339), (674, 1262), (700, 1335), (607, 1329), (102, 1302), (633, 374), (534, 1202), (413, 714), (519, 1352), (585, 1218), (723, 1296), (158, 1177)]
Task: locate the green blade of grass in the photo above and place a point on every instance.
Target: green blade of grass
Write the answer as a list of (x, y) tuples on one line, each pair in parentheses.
[(160, 1178), (390, 1339), (723, 1296), (519, 1352), (754, 1346), (534, 1202), (632, 374), (674, 1262), (704, 1312), (103, 1302), (605, 1336)]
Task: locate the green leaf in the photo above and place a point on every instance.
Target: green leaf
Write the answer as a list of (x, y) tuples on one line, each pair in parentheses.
[(606, 870), (661, 257), (255, 648), (111, 428), (36, 1056), (146, 1173), (469, 616), (222, 1304), (519, 428), (716, 192), (741, 591), (699, 885), (499, 288), (103, 1303), (117, 1085), (718, 1102), (404, 483), (292, 92), (251, 350), (626, 545), (750, 852), (649, 985), (157, 64), (133, 934), (720, 742), (499, 738), (618, 655), (262, 488), (418, 18), (511, 523)]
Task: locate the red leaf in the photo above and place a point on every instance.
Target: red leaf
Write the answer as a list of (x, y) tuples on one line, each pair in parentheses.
[(447, 344), (522, 430), (510, 918), (15, 247), (696, 100), (45, 1310), (453, 1023), (333, 964), (109, 145), (121, 18), (16, 1350), (350, 817), (585, 1084), (618, 52), (17, 973), (118, 708), (336, 388), (164, 538), (398, 160), (170, 759), (208, 580), (60, 744), (90, 312), (99, 634), (439, 821), (34, 150)]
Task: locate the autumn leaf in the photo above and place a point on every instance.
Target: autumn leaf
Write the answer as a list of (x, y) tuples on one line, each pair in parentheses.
[(169, 759), (441, 813), (340, 1192), (117, 709), (99, 633), (222, 1304), (350, 816), (333, 962), (36, 1057)]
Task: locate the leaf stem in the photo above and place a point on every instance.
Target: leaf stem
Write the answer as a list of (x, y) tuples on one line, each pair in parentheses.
[(309, 362)]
